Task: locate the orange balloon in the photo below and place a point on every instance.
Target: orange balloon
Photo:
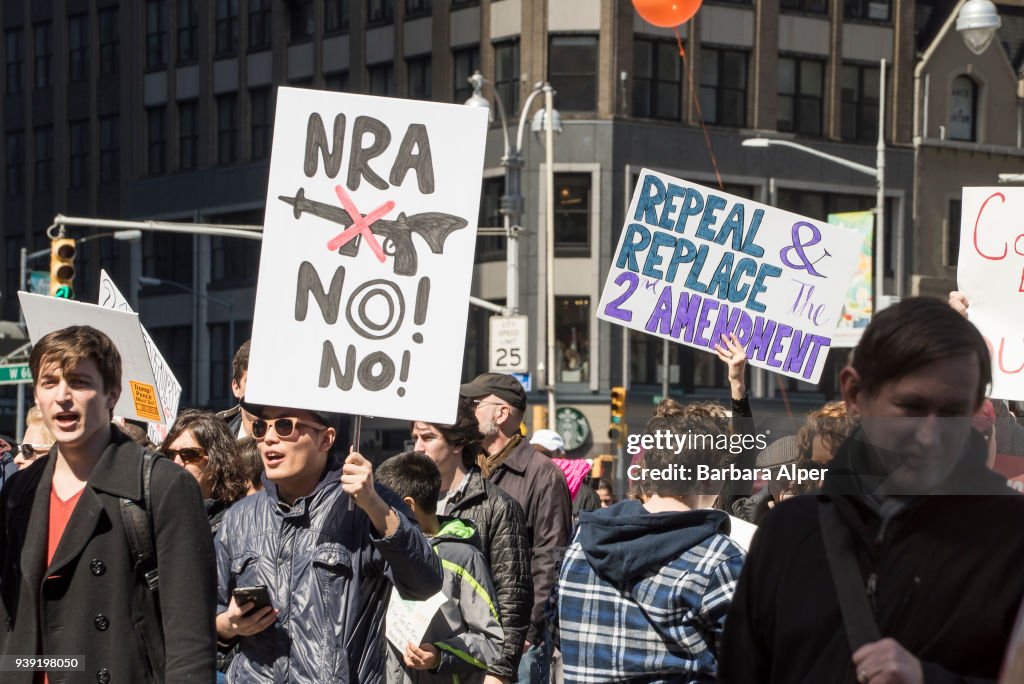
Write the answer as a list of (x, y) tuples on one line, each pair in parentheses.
[(666, 13)]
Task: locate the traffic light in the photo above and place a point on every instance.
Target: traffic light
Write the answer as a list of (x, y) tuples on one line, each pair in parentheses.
[(618, 405), (62, 267)]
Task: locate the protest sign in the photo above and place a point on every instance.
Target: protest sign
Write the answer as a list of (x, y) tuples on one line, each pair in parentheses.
[(407, 621), (694, 263), (859, 303), (138, 399), (990, 272), (367, 314), (167, 387)]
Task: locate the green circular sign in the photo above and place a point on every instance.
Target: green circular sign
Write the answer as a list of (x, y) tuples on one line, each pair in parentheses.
[(572, 425)]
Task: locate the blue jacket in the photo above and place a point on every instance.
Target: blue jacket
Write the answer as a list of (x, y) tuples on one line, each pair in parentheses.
[(329, 575)]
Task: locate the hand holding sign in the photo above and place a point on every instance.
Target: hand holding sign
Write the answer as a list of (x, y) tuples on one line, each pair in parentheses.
[(423, 657), (357, 479)]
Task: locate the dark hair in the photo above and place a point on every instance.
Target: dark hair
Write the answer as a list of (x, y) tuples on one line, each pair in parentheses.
[(224, 469), (72, 345), (603, 484), (464, 432), (240, 363), (137, 433), (912, 334), (705, 441), (829, 422), (412, 474), (251, 461)]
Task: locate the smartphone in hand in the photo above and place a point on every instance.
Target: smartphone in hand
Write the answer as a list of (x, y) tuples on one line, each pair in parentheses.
[(259, 596)]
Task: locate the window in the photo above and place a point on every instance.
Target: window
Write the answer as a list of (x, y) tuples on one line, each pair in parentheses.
[(953, 214), (43, 37), (109, 42), (380, 11), (572, 335), (188, 28), (226, 27), (657, 79), (227, 129), (235, 262), (300, 19), (13, 243), (859, 114), (963, 109), (188, 135), (156, 34), (337, 81), (506, 74), (156, 124), (417, 8), (723, 86), (464, 63), (336, 15), (873, 10), (491, 247), (572, 214), (167, 256), (176, 345), (15, 158), (382, 79), (221, 353), (260, 26), (813, 6), (262, 122), (15, 61), (78, 152), (572, 70), (459, 4), (44, 158), (78, 47), (801, 84), (110, 149), (419, 78)]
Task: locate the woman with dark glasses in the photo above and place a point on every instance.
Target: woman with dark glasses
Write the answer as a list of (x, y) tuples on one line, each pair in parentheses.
[(202, 444), (36, 441)]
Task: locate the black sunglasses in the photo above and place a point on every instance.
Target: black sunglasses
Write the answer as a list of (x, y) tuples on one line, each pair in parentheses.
[(32, 450), (282, 426), (187, 455)]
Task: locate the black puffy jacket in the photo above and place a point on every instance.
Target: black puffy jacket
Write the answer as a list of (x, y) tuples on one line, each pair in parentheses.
[(501, 525)]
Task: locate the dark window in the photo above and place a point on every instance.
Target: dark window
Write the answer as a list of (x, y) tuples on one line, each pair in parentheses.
[(44, 158), (235, 262), (262, 122), (156, 123), (42, 34), (188, 29), (572, 332), (953, 232), (336, 15), (801, 84), (109, 42), (963, 109), (156, 34), (417, 8), (459, 4), (380, 11), (15, 158), (491, 247), (78, 47), (723, 86), (260, 24), (221, 355), (465, 62), (382, 79), (176, 345), (814, 6), (110, 149), (657, 79), (167, 256), (300, 19), (13, 242), (859, 115), (226, 26), (572, 70), (506, 75), (572, 214), (15, 60), (873, 10), (227, 129), (419, 78), (78, 152), (188, 135), (337, 81)]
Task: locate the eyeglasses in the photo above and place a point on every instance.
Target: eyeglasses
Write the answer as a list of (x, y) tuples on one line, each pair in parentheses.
[(282, 426), (33, 450), (187, 455), (481, 402)]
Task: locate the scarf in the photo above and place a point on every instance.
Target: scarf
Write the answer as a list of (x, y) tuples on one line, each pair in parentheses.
[(489, 463)]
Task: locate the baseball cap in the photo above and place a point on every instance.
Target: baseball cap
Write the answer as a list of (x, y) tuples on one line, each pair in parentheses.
[(503, 386), (328, 418), (549, 439)]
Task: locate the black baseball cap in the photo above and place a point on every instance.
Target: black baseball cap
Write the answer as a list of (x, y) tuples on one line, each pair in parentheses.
[(328, 418), (503, 386)]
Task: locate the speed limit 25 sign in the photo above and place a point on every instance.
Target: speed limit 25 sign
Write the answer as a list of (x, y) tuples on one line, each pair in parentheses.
[(508, 344)]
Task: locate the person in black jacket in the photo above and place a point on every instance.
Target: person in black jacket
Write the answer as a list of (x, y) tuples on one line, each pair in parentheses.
[(499, 521)]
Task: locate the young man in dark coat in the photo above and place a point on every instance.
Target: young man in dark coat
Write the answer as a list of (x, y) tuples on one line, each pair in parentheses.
[(69, 587), (937, 576)]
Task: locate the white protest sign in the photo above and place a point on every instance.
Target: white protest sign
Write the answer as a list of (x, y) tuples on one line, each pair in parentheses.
[(694, 263), (168, 390), (367, 315), (138, 387), (990, 272), (407, 621)]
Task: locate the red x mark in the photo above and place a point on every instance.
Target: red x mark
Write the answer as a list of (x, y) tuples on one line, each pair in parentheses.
[(360, 224)]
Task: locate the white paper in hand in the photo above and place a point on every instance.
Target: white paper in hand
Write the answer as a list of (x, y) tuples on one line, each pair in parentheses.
[(407, 621)]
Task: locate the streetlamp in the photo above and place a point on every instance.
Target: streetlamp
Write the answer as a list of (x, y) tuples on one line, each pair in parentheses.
[(548, 120), (977, 23)]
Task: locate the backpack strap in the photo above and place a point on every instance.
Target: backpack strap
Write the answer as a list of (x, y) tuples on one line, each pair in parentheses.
[(138, 526)]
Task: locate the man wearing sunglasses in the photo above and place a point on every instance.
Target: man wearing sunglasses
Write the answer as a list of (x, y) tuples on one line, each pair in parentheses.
[(328, 569)]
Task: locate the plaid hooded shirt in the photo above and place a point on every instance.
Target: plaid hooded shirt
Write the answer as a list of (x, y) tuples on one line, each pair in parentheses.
[(642, 597)]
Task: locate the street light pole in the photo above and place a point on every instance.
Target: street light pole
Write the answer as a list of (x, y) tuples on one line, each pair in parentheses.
[(549, 247)]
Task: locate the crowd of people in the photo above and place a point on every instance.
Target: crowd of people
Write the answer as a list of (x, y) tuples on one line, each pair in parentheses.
[(874, 545)]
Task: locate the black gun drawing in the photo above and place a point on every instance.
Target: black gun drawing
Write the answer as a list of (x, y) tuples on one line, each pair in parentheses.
[(433, 227)]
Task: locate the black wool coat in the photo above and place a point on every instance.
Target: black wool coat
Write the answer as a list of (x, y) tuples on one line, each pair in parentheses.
[(90, 601)]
